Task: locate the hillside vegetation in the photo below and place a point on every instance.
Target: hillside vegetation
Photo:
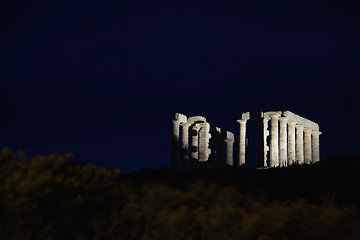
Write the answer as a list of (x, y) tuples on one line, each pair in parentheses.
[(52, 197)]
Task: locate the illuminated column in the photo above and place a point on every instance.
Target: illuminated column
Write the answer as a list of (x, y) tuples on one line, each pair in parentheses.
[(274, 141), (242, 142), (229, 151), (315, 146), (185, 145), (194, 146), (175, 144), (307, 145), (266, 134), (204, 137), (291, 142), (299, 144), (283, 142)]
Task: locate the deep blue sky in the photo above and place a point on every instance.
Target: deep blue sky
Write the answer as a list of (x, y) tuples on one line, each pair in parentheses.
[(103, 79)]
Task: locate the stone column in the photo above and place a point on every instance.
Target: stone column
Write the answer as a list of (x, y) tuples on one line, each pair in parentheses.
[(299, 144), (204, 137), (229, 152), (175, 144), (315, 146), (307, 145), (194, 146), (214, 132), (274, 142), (265, 135), (283, 160), (242, 142), (291, 142), (185, 145)]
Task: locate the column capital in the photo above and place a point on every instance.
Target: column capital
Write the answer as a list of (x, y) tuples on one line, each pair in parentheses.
[(307, 129), (185, 124), (299, 127), (316, 132), (291, 123), (283, 119), (275, 115), (242, 121), (228, 140)]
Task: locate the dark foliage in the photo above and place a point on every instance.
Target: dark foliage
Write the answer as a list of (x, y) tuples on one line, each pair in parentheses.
[(51, 197)]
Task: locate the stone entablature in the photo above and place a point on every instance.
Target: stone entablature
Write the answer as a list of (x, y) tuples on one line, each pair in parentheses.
[(293, 140)]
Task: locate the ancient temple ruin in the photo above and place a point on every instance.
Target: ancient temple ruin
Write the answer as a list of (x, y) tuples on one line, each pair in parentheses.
[(293, 140)]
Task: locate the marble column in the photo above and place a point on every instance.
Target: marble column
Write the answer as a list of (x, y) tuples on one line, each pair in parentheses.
[(307, 145), (283, 160), (185, 145), (291, 142), (265, 135), (274, 141), (175, 144), (315, 146), (204, 137), (299, 144), (229, 152), (242, 142), (194, 146)]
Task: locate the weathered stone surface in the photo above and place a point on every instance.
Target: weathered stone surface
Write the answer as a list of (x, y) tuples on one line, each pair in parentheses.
[(176, 127), (315, 146), (194, 141), (242, 142), (204, 137), (266, 133), (291, 142), (268, 114), (180, 117), (229, 148), (299, 143), (185, 145), (194, 145), (245, 116), (274, 141), (307, 145), (283, 161), (196, 119)]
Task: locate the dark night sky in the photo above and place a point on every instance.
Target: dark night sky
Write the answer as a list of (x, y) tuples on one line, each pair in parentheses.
[(103, 79)]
